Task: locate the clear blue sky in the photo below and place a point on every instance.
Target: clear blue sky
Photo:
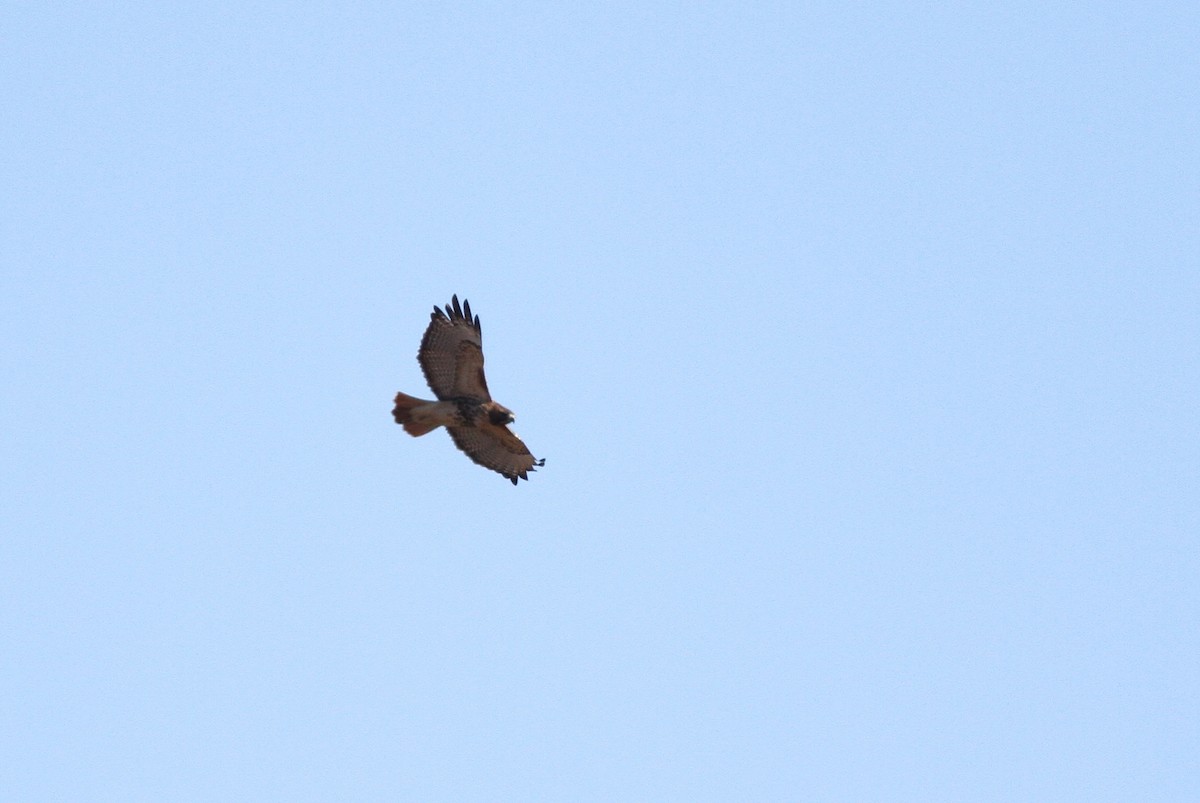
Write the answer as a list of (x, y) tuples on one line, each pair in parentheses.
[(861, 341)]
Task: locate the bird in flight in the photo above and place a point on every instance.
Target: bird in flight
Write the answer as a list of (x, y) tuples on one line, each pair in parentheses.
[(451, 357)]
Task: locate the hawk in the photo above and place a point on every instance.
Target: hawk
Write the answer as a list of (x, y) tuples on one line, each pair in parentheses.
[(451, 357)]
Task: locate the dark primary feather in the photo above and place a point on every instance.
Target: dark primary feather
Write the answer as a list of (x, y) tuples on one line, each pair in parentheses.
[(451, 354), (497, 448)]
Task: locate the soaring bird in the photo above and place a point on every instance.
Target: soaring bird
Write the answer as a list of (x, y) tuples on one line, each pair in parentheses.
[(451, 357)]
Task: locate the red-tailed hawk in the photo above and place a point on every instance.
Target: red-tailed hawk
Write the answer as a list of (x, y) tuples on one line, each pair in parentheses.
[(451, 356)]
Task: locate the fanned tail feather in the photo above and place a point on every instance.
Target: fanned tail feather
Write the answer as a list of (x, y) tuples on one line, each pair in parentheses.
[(402, 412)]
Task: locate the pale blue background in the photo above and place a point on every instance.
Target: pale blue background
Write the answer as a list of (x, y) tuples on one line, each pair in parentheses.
[(860, 339)]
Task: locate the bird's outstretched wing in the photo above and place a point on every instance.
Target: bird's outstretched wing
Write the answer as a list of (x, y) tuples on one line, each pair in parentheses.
[(451, 353), (497, 448)]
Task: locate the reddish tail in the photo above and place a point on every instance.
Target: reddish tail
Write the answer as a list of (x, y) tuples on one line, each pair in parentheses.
[(403, 415)]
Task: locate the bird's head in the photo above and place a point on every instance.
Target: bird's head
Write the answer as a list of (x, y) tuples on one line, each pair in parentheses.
[(500, 416)]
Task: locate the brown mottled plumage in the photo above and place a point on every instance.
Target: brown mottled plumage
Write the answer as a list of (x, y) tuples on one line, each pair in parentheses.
[(451, 357)]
